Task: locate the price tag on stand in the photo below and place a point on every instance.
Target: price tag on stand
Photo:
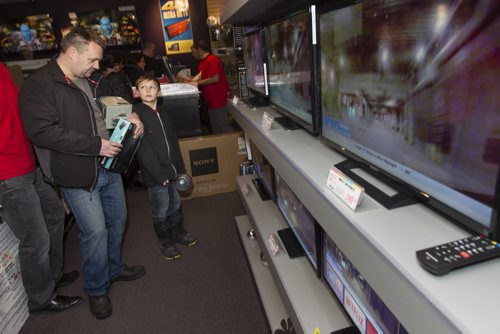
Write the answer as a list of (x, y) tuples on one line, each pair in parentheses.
[(273, 244), (236, 100), (267, 122), (345, 188)]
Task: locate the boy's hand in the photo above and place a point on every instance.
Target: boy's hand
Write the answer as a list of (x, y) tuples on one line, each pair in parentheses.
[(139, 127), (166, 182)]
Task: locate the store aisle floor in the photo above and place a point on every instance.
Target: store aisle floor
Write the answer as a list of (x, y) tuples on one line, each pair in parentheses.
[(209, 290)]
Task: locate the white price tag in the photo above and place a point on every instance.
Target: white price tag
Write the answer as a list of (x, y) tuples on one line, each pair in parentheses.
[(346, 189), (236, 100), (273, 244), (267, 122)]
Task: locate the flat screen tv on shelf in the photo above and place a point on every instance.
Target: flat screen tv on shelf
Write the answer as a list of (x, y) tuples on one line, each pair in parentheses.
[(409, 88), (264, 183), (367, 310), (255, 65), (302, 226), (118, 27), (292, 70), (28, 37)]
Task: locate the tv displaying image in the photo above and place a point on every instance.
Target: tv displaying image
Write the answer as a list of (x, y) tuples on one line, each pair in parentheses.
[(116, 26), (290, 69), (27, 35), (410, 87), (298, 218), (367, 311), (253, 53), (264, 171)]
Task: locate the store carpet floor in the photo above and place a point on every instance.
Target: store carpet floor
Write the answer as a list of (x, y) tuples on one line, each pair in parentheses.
[(209, 290)]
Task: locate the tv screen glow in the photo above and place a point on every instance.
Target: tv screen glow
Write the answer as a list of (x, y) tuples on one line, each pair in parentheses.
[(254, 62), (298, 217), (411, 88), (288, 48)]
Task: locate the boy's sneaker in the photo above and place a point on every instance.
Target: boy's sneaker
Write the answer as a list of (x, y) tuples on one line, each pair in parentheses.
[(169, 251), (181, 236)]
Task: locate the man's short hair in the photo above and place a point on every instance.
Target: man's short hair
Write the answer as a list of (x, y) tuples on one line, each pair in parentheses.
[(147, 77), (80, 38), (203, 45)]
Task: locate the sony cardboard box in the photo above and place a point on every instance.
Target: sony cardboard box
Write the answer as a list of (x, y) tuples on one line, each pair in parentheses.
[(214, 162)]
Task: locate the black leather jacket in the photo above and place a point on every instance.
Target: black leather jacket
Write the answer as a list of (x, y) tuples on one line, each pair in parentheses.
[(159, 153), (59, 120)]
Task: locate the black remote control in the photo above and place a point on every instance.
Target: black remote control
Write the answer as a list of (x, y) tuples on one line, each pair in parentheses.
[(441, 259)]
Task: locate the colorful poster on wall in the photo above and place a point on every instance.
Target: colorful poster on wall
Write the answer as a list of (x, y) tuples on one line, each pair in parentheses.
[(176, 26)]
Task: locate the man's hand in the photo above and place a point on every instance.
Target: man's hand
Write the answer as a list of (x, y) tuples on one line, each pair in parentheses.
[(139, 127), (109, 148)]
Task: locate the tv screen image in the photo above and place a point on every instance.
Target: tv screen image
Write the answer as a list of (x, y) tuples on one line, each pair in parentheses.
[(117, 26), (290, 68), (30, 34), (254, 60), (367, 311), (298, 218), (265, 172), (410, 88)]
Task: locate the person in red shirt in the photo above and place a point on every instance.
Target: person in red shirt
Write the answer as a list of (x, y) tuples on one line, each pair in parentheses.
[(213, 85), (32, 210)]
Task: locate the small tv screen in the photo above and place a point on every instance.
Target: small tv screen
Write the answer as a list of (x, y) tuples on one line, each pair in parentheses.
[(298, 218), (116, 26), (410, 87), (253, 53), (25, 36), (264, 170), (367, 310), (290, 69)]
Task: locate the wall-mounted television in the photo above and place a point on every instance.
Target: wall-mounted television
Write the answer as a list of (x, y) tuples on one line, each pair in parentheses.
[(367, 310), (255, 64), (302, 225), (264, 183), (117, 26), (409, 88), (292, 71), (27, 37)]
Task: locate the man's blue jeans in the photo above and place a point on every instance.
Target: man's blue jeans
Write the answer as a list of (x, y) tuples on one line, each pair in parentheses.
[(165, 204), (35, 215), (101, 216)]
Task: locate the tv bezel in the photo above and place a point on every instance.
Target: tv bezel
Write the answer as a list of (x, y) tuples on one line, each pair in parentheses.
[(261, 32), (318, 231), (452, 214), (315, 126)]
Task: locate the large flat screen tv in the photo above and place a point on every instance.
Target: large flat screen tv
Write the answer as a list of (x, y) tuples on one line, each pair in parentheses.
[(253, 53), (300, 221), (367, 310), (292, 70), (410, 89), (117, 26), (28, 37)]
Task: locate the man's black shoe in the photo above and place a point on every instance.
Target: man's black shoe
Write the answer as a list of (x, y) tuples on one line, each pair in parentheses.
[(59, 303), (130, 273), (100, 306), (67, 278)]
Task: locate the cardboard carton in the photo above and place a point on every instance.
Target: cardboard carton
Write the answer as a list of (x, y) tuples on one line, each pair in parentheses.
[(115, 107), (213, 161)]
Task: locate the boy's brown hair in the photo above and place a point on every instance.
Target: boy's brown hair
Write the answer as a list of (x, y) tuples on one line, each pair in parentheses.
[(147, 77)]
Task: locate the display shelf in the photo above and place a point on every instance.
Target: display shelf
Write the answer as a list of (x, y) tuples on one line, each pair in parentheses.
[(271, 300), (382, 243), (308, 300)]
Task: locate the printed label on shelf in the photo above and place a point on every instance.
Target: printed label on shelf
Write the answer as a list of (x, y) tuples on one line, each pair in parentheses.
[(267, 122), (273, 245), (345, 188), (236, 100)]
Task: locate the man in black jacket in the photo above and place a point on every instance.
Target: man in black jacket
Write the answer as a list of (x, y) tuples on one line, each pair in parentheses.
[(61, 116)]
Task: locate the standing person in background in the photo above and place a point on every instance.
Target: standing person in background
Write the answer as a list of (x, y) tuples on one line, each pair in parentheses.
[(214, 87), (135, 67), (114, 81), (32, 210), (64, 122), (153, 64), (161, 162)]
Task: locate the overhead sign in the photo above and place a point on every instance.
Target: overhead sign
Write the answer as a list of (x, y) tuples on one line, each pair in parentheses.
[(176, 24)]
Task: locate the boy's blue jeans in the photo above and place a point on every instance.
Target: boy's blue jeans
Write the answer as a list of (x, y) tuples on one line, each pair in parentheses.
[(165, 204), (101, 216)]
